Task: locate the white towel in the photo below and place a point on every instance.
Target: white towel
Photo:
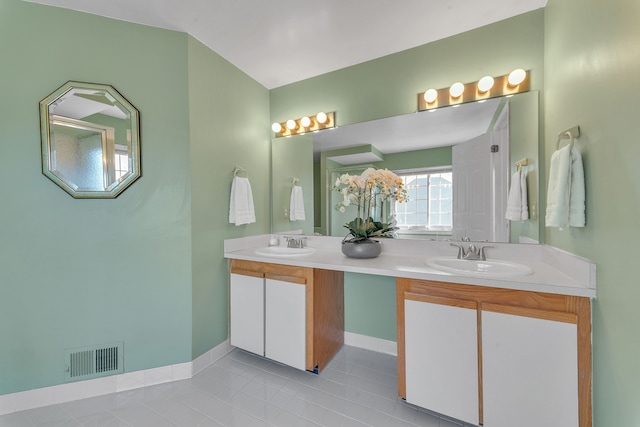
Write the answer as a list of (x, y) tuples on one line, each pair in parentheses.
[(566, 192), (517, 205), (241, 202), (296, 204), (577, 196)]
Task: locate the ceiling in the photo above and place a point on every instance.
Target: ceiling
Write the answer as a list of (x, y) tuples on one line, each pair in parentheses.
[(418, 131), (279, 42)]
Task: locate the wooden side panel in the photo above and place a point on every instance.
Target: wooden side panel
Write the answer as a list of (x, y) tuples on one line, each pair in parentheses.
[(328, 318), (401, 285), (583, 310)]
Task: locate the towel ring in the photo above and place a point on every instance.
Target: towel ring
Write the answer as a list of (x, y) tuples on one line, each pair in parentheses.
[(238, 171), (566, 135), (296, 181), (571, 134)]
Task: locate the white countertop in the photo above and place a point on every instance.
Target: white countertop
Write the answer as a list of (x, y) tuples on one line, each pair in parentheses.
[(554, 271)]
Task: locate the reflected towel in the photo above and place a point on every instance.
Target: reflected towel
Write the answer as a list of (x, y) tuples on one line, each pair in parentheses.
[(566, 192), (241, 209), (296, 204), (517, 206)]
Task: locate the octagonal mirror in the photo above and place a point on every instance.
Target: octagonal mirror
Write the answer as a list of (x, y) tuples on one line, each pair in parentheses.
[(90, 140)]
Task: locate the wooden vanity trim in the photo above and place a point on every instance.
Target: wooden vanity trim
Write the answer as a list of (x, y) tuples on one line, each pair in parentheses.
[(532, 312), (566, 308), (440, 300), (247, 272), (324, 295), (288, 279)]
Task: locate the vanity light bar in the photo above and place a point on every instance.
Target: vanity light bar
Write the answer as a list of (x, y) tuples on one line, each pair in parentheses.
[(304, 124), (487, 87)]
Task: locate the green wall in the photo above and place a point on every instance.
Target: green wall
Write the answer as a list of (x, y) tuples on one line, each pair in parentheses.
[(592, 64), (372, 305), (145, 268), (229, 123), (389, 86)]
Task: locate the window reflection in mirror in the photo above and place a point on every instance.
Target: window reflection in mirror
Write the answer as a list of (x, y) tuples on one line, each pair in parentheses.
[(90, 140), (429, 206)]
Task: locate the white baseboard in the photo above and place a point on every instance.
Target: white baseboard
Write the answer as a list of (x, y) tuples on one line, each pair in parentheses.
[(370, 343), (68, 392)]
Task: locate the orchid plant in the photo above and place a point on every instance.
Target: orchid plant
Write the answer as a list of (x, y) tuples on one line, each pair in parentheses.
[(368, 192)]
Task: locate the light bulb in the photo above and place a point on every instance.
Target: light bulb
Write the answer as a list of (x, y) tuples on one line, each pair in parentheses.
[(276, 127), (305, 122), (430, 96), (321, 118), (485, 84), (456, 90), (291, 124), (516, 77)]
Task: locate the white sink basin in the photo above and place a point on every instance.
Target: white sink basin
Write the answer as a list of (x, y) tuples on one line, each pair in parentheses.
[(479, 268), (284, 252)]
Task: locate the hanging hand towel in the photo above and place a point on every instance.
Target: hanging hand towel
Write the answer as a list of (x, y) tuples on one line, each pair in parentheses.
[(517, 206), (296, 204), (557, 214), (566, 194), (241, 202), (577, 192)]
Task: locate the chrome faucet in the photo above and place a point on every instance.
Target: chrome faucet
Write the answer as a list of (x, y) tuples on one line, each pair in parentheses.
[(293, 242), (472, 252)]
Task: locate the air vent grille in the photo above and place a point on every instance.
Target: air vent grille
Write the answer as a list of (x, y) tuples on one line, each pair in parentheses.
[(92, 362)]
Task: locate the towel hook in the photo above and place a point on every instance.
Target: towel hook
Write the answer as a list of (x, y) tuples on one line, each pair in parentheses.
[(296, 181)]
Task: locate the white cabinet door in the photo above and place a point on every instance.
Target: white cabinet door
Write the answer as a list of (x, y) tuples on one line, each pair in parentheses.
[(247, 313), (441, 356), (529, 369), (285, 322)]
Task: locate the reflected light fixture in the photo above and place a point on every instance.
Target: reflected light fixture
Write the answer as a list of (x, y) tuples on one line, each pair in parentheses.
[(321, 118), (304, 124), (430, 96), (291, 124), (487, 87)]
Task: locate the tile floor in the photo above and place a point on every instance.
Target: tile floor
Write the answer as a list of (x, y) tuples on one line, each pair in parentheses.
[(358, 388)]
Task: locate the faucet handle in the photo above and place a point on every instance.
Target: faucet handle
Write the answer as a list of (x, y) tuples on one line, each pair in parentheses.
[(482, 254), (461, 252)]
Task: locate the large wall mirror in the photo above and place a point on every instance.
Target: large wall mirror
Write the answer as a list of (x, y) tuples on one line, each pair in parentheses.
[(478, 143), (90, 140)]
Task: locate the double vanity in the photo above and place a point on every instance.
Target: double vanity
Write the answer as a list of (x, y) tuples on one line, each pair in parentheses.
[(501, 342)]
